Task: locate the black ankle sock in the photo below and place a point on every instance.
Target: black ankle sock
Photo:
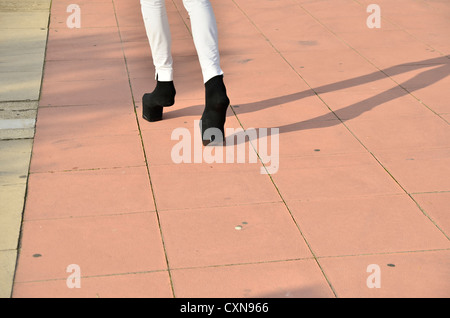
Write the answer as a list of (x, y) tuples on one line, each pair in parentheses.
[(216, 104), (153, 103)]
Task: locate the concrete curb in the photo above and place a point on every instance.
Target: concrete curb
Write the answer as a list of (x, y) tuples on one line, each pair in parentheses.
[(23, 32)]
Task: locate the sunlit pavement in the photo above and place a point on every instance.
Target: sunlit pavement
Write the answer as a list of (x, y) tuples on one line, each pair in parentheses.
[(350, 199)]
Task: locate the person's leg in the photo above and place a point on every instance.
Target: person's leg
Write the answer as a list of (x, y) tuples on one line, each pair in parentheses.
[(158, 32), (204, 32)]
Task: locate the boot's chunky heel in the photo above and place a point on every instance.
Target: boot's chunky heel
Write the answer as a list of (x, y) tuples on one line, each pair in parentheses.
[(153, 103), (216, 104), (151, 112)]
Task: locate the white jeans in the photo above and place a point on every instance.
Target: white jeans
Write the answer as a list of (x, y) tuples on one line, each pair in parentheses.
[(204, 32)]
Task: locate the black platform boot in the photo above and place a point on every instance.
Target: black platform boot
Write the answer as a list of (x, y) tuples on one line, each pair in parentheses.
[(216, 105), (153, 103)]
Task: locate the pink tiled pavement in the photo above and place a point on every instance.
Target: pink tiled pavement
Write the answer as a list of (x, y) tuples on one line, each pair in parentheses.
[(363, 118)]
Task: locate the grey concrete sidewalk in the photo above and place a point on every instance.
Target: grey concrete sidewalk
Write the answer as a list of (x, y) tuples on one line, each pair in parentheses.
[(23, 38)]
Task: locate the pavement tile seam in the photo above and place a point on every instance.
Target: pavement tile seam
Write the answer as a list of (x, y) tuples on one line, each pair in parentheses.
[(168, 210), (130, 213), (90, 276), (172, 269), (427, 214), (391, 253), (86, 169), (242, 264), (413, 193)]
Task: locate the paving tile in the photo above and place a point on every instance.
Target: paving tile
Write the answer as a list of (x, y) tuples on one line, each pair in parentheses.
[(435, 206), (434, 96), (446, 117), (334, 176), (294, 279), (385, 57), (377, 38), (316, 137), (141, 68), (111, 151), (414, 275), (93, 15), (85, 121), (142, 285), (7, 267), (96, 92), (20, 85), (98, 245), (249, 86), (418, 170), (137, 50), (83, 43), (420, 72), (286, 16), (210, 185), (15, 61), (88, 193), (430, 17), (84, 70), (25, 5), (7, 134), (231, 235), (290, 28), (254, 63), (19, 41), (297, 108), (426, 80), (128, 16), (398, 132), (234, 41), (366, 225), (17, 124), (12, 198), (19, 105), (355, 14), (23, 20), (309, 39), (14, 161), (406, 52), (372, 82), (432, 37), (326, 67), (135, 33), (353, 103)]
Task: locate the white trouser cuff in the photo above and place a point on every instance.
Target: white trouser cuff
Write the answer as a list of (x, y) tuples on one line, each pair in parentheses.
[(164, 75)]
